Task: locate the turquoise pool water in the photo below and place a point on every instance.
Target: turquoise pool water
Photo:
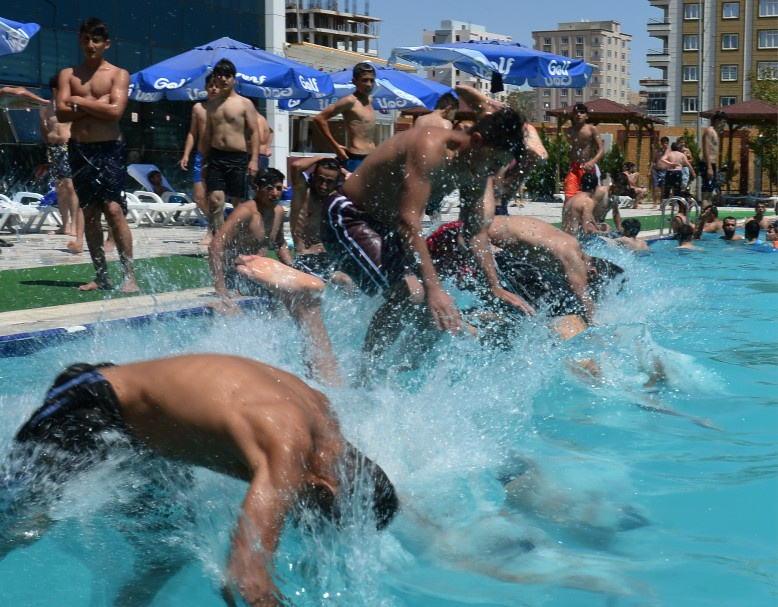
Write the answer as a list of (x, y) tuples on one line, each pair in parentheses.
[(606, 503)]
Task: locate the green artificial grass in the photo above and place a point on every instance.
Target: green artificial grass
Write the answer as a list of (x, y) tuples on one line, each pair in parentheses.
[(57, 285)]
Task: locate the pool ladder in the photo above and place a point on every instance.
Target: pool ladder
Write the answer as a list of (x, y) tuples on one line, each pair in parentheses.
[(674, 201)]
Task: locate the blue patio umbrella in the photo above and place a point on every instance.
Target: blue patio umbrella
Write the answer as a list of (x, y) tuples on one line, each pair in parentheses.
[(502, 62), (393, 90), (259, 74), (14, 37)]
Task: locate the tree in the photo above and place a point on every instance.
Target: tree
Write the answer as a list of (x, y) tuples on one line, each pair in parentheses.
[(611, 163), (765, 145), (541, 182)]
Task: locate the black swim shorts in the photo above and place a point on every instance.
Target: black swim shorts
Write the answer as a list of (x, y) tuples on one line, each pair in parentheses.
[(540, 288), (673, 183), (79, 407), (359, 246), (709, 184), (227, 172), (98, 170), (316, 264)]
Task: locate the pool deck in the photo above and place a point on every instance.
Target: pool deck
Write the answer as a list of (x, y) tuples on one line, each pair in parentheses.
[(35, 250)]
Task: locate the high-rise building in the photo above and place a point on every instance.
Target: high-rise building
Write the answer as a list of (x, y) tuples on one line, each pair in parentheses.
[(459, 31), (706, 51), (323, 22), (601, 43)]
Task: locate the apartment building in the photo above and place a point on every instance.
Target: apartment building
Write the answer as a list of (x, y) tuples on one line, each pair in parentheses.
[(601, 43), (459, 31), (706, 50), (338, 24)]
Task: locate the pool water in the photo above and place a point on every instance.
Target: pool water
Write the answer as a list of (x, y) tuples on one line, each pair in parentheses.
[(524, 481)]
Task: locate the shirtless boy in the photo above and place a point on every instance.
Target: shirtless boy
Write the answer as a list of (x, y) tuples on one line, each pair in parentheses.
[(56, 135), (196, 134), (578, 212), (759, 216), (250, 229), (658, 173), (223, 146), (673, 162), (708, 222), (93, 97), (257, 424), (710, 156), (358, 118), (442, 116)]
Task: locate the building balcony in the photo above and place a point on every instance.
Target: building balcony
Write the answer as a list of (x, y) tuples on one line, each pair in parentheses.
[(659, 3), (339, 33), (658, 28), (657, 57), (657, 85)]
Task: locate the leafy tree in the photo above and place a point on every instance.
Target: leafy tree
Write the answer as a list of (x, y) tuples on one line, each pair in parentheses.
[(765, 145), (690, 138), (541, 182), (612, 161)]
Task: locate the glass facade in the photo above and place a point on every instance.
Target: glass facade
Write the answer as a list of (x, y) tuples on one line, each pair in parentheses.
[(142, 33)]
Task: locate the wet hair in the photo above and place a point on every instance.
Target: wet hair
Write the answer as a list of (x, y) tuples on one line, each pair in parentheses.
[(714, 210), (362, 67), (674, 146), (154, 172), (209, 79), (728, 218), (580, 107), (630, 227), (329, 164), (751, 229), (718, 116), (447, 101), (589, 182), (54, 82), (685, 233), (224, 67), (503, 130), (94, 27), (360, 476), (268, 177), (664, 140)]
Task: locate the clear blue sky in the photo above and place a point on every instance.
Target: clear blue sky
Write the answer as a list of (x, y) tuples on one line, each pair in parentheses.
[(404, 20)]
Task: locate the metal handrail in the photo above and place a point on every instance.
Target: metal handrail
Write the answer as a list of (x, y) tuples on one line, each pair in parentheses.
[(674, 201)]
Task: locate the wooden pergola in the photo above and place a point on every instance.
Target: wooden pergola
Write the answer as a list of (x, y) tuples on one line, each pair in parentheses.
[(753, 112), (606, 111)]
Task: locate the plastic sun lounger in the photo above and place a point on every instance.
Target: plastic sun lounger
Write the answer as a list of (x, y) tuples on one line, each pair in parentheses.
[(21, 217), (48, 215), (151, 209)]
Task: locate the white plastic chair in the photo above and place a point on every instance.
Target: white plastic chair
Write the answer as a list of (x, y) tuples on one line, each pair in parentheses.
[(160, 210)]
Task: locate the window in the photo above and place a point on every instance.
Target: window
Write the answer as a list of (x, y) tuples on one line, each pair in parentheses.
[(688, 104), (623, 56), (727, 101), (768, 8), (690, 73), (691, 42), (622, 82), (564, 39), (579, 92), (547, 92), (730, 42), (768, 38), (563, 93), (579, 39), (595, 79), (729, 73), (596, 92), (730, 10), (595, 54), (657, 104), (547, 41), (691, 11), (579, 52), (609, 79), (610, 54), (595, 40), (767, 70), (564, 104)]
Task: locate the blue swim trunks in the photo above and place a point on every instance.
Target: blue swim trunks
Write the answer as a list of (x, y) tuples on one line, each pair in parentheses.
[(197, 177)]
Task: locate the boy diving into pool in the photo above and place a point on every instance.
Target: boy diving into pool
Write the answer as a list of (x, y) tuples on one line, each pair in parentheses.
[(257, 423)]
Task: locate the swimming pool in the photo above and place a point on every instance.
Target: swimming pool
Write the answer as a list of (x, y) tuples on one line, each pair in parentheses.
[(604, 498)]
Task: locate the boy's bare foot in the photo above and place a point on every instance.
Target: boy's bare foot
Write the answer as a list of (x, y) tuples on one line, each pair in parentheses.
[(109, 246), (75, 248), (130, 286), (95, 286)]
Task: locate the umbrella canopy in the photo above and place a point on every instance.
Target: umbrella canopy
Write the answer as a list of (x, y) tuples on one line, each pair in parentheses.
[(14, 37), (259, 74), (503, 62), (754, 112), (393, 90)]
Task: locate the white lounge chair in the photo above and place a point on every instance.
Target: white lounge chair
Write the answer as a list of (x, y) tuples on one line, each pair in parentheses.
[(16, 216), (171, 208), (48, 215)]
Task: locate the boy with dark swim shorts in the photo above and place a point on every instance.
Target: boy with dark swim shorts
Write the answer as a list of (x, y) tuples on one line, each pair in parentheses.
[(93, 97), (225, 157)]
